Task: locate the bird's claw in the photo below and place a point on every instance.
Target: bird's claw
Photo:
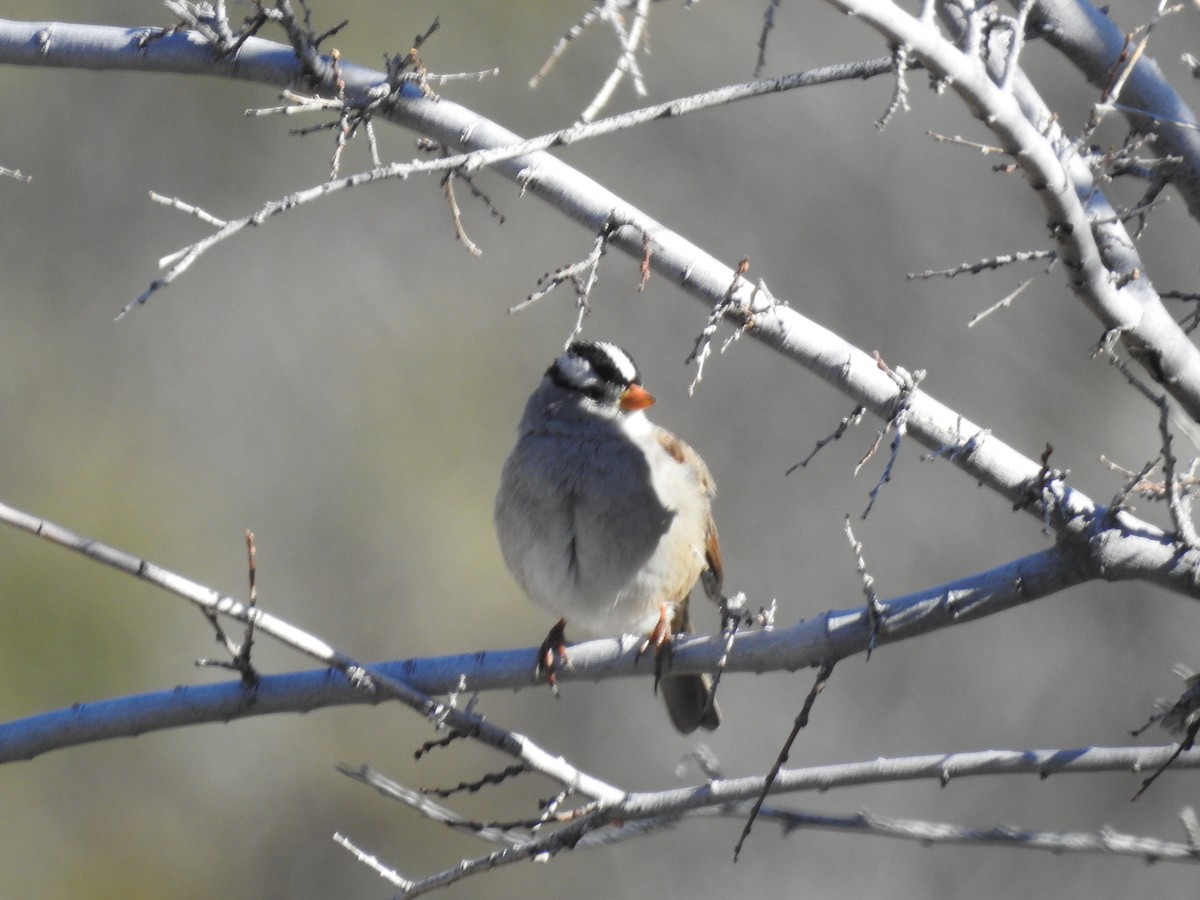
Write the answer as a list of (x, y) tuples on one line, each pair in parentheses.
[(660, 639), (552, 655)]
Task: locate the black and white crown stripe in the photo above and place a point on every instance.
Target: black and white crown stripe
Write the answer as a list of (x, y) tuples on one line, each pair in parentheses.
[(595, 368)]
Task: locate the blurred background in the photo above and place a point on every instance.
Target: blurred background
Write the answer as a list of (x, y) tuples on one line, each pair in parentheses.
[(346, 381)]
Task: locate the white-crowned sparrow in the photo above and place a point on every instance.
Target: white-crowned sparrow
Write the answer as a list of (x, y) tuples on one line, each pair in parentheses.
[(604, 518)]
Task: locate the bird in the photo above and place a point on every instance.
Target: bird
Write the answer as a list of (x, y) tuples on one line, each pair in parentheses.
[(605, 519)]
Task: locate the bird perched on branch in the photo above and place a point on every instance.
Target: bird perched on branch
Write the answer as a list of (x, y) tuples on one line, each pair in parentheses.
[(605, 519)]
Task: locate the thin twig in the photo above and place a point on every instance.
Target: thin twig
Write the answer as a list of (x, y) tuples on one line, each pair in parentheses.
[(991, 262), (1189, 741), (898, 422), (372, 862), (1002, 303), (460, 230), (1132, 53), (561, 46), (767, 27), (626, 63), (899, 102), (239, 654), (1178, 501), (182, 260), (702, 348), (176, 203), (875, 611), (854, 419), (642, 813), (963, 142), (801, 720), (1016, 44), (583, 274)]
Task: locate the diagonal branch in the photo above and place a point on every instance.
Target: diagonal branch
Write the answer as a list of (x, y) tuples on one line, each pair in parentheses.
[(1106, 274), (1093, 43), (984, 458), (367, 682)]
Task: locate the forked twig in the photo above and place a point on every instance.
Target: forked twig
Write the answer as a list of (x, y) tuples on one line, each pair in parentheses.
[(239, 654)]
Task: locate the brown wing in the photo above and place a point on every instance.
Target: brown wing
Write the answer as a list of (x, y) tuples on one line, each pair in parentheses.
[(714, 570)]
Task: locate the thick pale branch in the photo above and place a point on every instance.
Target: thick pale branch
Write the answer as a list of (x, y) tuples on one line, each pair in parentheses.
[(972, 448), (367, 682), (1094, 44), (148, 49), (829, 637), (1106, 274)]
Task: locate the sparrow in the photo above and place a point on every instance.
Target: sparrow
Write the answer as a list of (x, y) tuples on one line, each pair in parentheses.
[(605, 519)]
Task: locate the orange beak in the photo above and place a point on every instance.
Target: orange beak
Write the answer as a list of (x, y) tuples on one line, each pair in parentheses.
[(636, 397)]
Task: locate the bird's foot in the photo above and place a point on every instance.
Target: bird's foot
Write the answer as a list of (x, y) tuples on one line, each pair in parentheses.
[(552, 655), (660, 639)]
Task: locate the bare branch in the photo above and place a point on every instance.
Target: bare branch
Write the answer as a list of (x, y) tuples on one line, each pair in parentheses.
[(176, 203), (610, 11), (703, 345), (1091, 40), (1177, 498), (1016, 43), (388, 874), (239, 660), (1002, 303), (854, 419), (899, 101), (897, 421), (824, 639), (1106, 841), (768, 26), (1091, 541), (582, 274), (875, 611), (15, 174), (1135, 47), (641, 812), (800, 722), (373, 682), (1101, 257), (631, 40), (507, 150), (992, 262)]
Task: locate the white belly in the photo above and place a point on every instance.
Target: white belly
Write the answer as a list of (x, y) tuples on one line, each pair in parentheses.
[(592, 543)]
